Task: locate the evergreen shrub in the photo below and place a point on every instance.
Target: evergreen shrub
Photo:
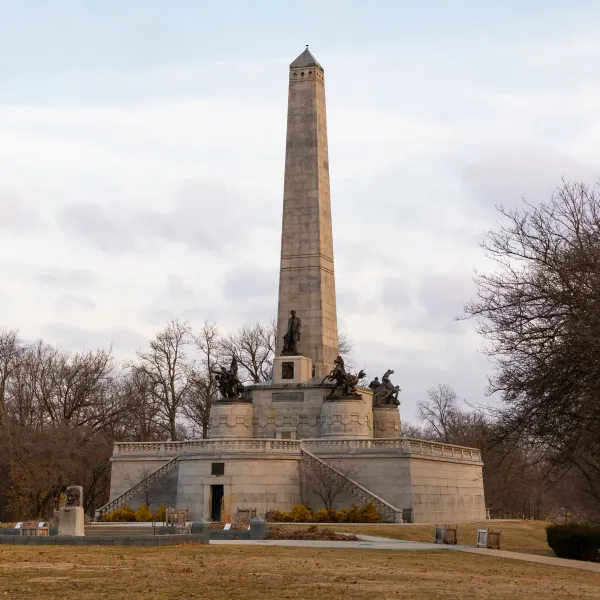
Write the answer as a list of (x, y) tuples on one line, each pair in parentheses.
[(576, 541)]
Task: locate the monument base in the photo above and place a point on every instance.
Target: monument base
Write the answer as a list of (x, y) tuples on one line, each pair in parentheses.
[(386, 421), (232, 419), (292, 369), (71, 521), (346, 417)]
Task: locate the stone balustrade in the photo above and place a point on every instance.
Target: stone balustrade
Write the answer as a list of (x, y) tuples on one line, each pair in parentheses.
[(394, 445), (209, 446), (316, 446)]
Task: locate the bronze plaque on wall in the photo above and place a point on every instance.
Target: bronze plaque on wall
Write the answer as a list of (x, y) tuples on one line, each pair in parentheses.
[(287, 370)]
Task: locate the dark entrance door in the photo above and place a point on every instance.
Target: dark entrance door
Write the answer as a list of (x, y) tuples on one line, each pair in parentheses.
[(216, 498)]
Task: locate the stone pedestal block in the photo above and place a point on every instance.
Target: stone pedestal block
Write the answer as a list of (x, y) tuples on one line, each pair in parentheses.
[(71, 521), (346, 417), (386, 422), (231, 419), (292, 369)]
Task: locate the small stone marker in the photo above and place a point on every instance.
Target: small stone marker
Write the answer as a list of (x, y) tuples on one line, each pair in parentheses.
[(227, 526), (258, 528), (201, 527)]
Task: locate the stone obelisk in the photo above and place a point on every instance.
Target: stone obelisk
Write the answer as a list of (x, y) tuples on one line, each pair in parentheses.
[(306, 279)]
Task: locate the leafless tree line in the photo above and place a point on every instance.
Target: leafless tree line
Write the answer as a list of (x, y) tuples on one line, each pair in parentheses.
[(60, 412), (539, 311)]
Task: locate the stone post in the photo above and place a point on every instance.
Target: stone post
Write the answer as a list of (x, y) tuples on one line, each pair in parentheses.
[(201, 527), (258, 528)]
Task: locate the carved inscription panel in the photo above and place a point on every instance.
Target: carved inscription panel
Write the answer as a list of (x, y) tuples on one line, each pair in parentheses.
[(288, 397)]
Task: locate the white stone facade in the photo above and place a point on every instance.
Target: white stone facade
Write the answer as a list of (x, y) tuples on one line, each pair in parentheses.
[(436, 482)]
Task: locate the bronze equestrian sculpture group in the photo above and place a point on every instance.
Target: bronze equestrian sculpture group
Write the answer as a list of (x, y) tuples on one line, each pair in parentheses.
[(228, 381), (345, 383)]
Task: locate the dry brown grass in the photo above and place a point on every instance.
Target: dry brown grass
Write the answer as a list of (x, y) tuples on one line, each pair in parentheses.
[(218, 572), (517, 536)]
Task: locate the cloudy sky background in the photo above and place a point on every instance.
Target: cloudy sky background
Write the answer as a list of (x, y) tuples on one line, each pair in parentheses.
[(142, 151)]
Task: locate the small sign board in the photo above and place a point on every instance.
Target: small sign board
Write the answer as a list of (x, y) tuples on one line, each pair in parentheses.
[(482, 537), (41, 523), (227, 526), (439, 534), (18, 525)]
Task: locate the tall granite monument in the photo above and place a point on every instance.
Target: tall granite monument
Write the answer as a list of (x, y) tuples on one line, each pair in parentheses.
[(313, 412), (306, 276)]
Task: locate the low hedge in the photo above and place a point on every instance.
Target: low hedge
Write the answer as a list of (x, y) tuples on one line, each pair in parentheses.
[(304, 514), (573, 540), (126, 514)]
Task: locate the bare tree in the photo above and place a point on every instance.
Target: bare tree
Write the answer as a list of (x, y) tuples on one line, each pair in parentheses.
[(142, 421), (254, 349), (345, 347), (148, 490), (11, 351), (410, 430), (203, 387), (539, 312), (167, 367), (440, 411), (326, 484)]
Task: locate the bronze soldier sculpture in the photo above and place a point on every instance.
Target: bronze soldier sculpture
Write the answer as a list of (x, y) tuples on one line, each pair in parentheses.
[(386, 392), (228, 381), (292, 336)]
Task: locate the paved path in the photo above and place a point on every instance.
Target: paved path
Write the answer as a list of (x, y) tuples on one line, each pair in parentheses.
[(534, 558), (370, 542), (380, 544)]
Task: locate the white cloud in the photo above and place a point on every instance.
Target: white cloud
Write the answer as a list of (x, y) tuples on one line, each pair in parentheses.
[(163, 186)]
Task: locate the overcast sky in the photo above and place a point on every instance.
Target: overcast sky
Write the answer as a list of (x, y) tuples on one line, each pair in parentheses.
[(142, 151)]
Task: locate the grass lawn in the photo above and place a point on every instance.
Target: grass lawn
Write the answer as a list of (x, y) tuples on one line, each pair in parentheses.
[(216, 572), (518, 536)]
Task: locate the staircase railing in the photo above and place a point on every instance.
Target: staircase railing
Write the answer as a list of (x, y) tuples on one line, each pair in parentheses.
[(134, 489), (389, 512)]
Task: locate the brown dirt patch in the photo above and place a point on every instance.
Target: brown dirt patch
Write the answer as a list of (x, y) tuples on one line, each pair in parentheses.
[(219, 572), (309, 533)]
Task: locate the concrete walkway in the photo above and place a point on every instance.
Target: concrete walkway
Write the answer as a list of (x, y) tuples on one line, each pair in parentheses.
[(370, 542), (381, 544), (534, 558)]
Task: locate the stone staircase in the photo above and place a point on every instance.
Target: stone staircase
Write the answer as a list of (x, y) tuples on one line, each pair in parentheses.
[(121, 499), (387, 511)]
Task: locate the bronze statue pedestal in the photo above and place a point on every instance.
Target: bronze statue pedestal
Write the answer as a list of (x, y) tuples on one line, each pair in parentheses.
[(386, 421), (232, 418), (292, 369), (347, 417)]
